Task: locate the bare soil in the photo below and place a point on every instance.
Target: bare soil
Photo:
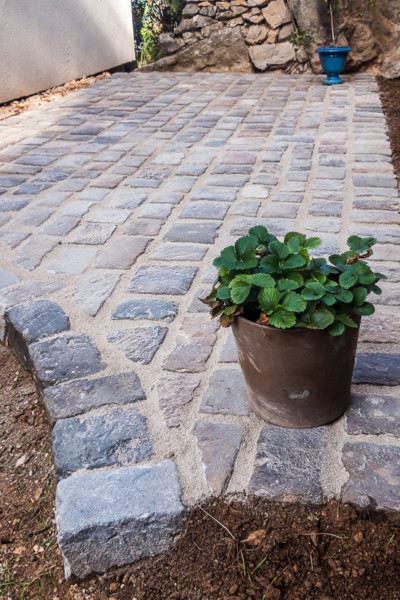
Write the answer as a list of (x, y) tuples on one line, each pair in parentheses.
[(250, 550)]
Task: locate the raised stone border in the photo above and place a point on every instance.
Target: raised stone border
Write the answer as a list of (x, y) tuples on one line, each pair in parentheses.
[(139, 385)]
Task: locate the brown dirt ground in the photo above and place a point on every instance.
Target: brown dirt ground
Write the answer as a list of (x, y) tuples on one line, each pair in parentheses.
[(273, 551)]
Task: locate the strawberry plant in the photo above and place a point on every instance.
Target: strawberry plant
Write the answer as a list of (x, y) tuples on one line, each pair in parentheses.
[(278, 283)]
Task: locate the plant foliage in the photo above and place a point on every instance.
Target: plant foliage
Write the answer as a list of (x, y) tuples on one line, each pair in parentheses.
[(278, 283)]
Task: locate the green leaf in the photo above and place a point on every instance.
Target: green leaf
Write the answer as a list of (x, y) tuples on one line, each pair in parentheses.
[(293, 262), (345, 296), (295, 276), (346, 320), (224, 293), (329, 300), (359, 294), (217, 262), (229, 310), (262, 280), (294, 241), (367, 278), (268, 299), (228, 257), (380, 276), (338, 260), (283, 319), (287, 284), (249, 261), (270, 264), (260, 232), (312, 242), (365, 310), (239, 291), (360, 245), (348, 279), (279, 249), (336, 328), (313, 290), (245, 244), (293, 302), (320, 319)]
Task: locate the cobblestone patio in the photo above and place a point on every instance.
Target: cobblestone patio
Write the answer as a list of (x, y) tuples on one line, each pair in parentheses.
[(113, 202)]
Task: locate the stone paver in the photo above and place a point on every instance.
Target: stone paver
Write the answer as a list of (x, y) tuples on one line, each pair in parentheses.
[(109, 223)]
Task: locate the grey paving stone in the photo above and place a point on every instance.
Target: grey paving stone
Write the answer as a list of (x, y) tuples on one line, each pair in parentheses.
[(156, 211), (275, 226), (196, 304), (204, 210), (166, 198), (183, 252), (231, 169), (374, 477), (248, 209), (8, 204), (163, 280), (31, 253), (288, 197), (288, 464), (33, 216), (238, 158), (281, 210), (30, 322), (94, 291), (13, 238), (73, 260), (7, 278), (31, 189), (229, 353), (146, 308), (93, 233), (122, 253), (174, 392), (143, 183), (4, 219), (256, 191), (326, 209), (227, 180), (114, 517), (82, 395), (61, 226), (218, 445), (328, 224), (94, 194), (215, 194), (365, 180), (381, 327), (202, 232), (169, 158), (193, 345), (126, 198), (63, 358), (226, 394), (140, 343), (118, 437), (191, 169), (9, 181), (377, 368), (147, 227), (373, 413), (109, 215)]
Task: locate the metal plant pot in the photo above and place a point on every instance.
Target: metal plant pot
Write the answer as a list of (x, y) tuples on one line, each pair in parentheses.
[(333, 61), (296, 377)]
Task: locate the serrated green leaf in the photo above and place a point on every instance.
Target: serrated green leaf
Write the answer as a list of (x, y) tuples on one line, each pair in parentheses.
[(293, 302), (279, 250), (338, 260), (229, 310), (320, 319), (260, 232), (336, 328), (294, 241), (217, 262), (365, 310), (293, 262), (368, 278), (224, 293), (283, 319), (245, 244), (360, 245), (270, 264), (262, 280), (287, 284), (312, 242), (345, 296), (268, 299), (229, 258), (313, 290), (347, 279), (380, 276), (346, 320), (239, 291), (329, 300), (359, 294), (295, 276)]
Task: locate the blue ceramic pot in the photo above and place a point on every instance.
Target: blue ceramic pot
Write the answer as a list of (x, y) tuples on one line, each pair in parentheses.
[(332, 62)]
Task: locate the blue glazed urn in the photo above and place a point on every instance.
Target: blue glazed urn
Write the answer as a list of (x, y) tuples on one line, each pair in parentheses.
[(333, 61)]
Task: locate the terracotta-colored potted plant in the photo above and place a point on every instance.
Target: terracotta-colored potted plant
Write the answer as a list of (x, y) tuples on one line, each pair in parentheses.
[(295, 321)]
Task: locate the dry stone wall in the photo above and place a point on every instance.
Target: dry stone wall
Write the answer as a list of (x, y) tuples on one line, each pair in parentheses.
[(254, 35)]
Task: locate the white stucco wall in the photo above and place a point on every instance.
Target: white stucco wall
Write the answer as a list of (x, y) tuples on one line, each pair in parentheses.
[(44, 43)]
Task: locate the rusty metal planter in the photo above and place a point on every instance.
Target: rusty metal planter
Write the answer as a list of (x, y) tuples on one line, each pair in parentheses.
[(296, 377)]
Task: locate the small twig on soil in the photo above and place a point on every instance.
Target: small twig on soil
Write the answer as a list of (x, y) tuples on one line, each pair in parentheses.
[(219, 522), (197, 546), (341, 537), (311, 561), (277, 577)]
